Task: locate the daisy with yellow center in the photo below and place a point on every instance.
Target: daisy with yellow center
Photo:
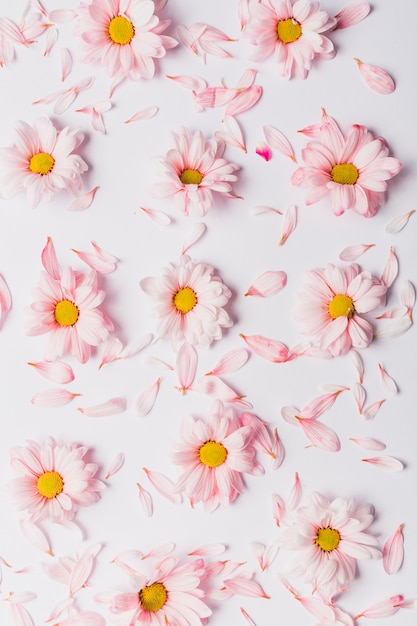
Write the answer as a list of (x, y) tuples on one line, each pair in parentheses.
[(332, 305), (189, 300), (52, 480), (214, 455)]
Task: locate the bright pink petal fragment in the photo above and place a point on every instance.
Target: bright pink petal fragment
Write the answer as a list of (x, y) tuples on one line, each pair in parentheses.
[(384, 608), (232, 135), (186, 366), (263, 151), (143, 114), (35, 536), (351, 253), (52, 398), (398, 223), (267, 284), (230, 362), (83, 202), (376, 78), (289, 223), (352, 14), (279, 142), (49, 260), (393, 552), (268, 349), (388, 463), (368, 443), (55, 371), (159, 217), (147, 398), (390, 271), (114, 406), (196, 232), (145, 500), (388, 383), (244, 586), (115, 465), (163, 485)]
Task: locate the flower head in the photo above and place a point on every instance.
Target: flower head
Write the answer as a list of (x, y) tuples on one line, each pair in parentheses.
[(214, 455), (291, 32), (195, 168), (351, 170), (328, 537), (42, 161), (189, 302), (52, 479), (124, 35), (332, 304)]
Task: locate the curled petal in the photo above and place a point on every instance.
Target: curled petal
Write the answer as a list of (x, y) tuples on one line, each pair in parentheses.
[(376, 78), (388, 383), (230, 362), (163, 485), (35, 536), (279, 142), (115, 465), (159, 217), (289, 223), (186, 366), (114, 406), (390, 271), (267, 284), (51, 398), (393, 551), (368, 443), (143, 114), (84, 201), (196, 232), (398, 223), (352, 14), (263, 150), (388, 463), (55, 371), (147, 398), (145, 500), (351, 253), (269, 349), (258, 210)]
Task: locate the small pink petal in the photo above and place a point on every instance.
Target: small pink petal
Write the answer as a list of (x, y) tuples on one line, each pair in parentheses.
[(383, 609), (269, 349), (97, 261), (97, 122), (408, 297), (158, 364), (59, 609), (393, 551), (60, 16), (114, 406), (258, 210), (376, 78), (398, 223), (84, 201), (230, 362), (245, 587), (51, 39), (278, 509), (279, 142), (194, 83), (147, 398), (320, 435), (278, 451), (213, 97), (244, 100), (217, 388), (163, 549), (352, 14), (388, 463), (111, 351), (196, 232), (319, 405), (233, 135), (359, 394), (55, 371), (5, 297), (145, 500), (294, 497), (368, 443), (388, 383), (143, 114), (318, 608), (159, 217), (35, 536), (80, 573), (358, 363), (263, 150), (267, 284), (138, 345), (261, 437), (187, 360), (115, 465), (66, 63), (208, 549), (390, 271), (372, 409), (247, 79), (351, 253), (51, 398), (164, 486), (247, 617), (289, 223), (49, 260)]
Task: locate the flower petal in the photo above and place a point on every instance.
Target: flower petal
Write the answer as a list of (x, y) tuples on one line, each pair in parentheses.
[(145, 500), (186, 366), (269, 349), (393, 551), (230, 362), (147, 398), (289, 223), (388, 463), (196, 232), (52, 398), (376, 78), (115, 465), (143, 114), (163, 485), (351, 253), (352, 14), (279, 142), (114, 406), (267, 284), (398, 223)]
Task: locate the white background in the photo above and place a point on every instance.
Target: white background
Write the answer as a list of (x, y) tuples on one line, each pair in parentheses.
[(240, 246)]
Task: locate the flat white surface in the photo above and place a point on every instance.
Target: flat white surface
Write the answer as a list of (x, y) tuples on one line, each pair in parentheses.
[(240, 246)]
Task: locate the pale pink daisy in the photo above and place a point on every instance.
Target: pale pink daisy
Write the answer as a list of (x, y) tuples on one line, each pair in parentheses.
[(351, 170), (41, 161), (67, 309), (195, 168), (330, 308), (52, 480), (328, 537), (189, 300), (215, 453), (124, 35), (172, 595), (291, 32)]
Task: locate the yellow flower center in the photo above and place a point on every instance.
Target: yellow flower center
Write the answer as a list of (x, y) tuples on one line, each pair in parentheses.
[(41, 163), (327, 539), (191, 177), (50, 484), (341, 305), (344, 174), (153, 597), (66, 313), (185, 300), (289, 30), (121, 30), (212, 453)]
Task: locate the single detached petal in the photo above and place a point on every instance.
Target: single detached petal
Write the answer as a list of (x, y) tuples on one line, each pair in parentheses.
[(111, 351), (216, 388), (376, 78), (159, 217), (244, 100), (143, 114), (162, 549), (232, 135), (60, 16), (388, 463), (384, 608), (352, 14), (319, 405), (147, 398), (390, 271), (269, 349), (398, 223), (84, 201), (49, 260), (35, 536), (289, 223), (114, 406), (278, 509), (351, 253), (294, 497), (196, 232), (18, 615), (359, 394), (55, 371), (388, 383), (279, 142), (245, 587), (50, 41), (267, 284), (96, 262), (145, 499), (372, 409), (263, 150), (138, 345), (158, 364), (66, 63), (115, 465), (51, 398), (230, 362), (393, 551), (194, 83), (258, 210), (408, 297), (368, 443), (243, 12), (393, 313), (80, 573), (320, 435), (208, 549), (247, 617), (358, 364), (187, 360), (163, 485), (5, 297)]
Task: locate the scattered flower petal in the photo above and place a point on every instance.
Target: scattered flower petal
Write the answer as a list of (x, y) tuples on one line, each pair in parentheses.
[(114, 406), (368, 443), (66, 63), (147, 398), (289, 223), (372, 409), (279, 142), (383, 609), (137, 346), (394, 329), (101, 263), (388, 463), (208, 549), (352, 14), (84, 201), (242, 610), (263, 150), (269, 349), (111, 351), (244, 100), (358, 363), (376, 78), (244, 586), (258, 210), (145, 500), (187, 360), (194, 83), (55, 371), (351, 253), (388, 383), (393, 552), (196, 232), (408, 297), (359, 394), (159, 217), (115, 465), (158, 364), (233, 134), (52, 398), (35, 536), (267, 284), (230, 362), (398, 223), (164, 486), (49, 260), (294, 497), (390, 271), (143, 114)]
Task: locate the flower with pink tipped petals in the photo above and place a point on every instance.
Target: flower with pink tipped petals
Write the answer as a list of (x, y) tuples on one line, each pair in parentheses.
[(350, 169), (327, 538), (195, 168), (214, 455), (67, 309), (189, 300), (41, 161), (124, 35), (52, 480), (291, 32), (331, 306)]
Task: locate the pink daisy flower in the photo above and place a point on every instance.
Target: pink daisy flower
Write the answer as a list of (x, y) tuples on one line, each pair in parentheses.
[(189, 301), (195, 168), (215, 453), (332, 304), (67, 309), (328, 537), (172, 595), (124, 35), (42, 162), (351, 170), (52, 480), (291, 32)]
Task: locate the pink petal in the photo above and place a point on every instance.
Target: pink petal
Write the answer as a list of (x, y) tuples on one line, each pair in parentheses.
[(159, 217), (66, 63), (263, 150), (388, 383), (160, 550), (143, 114), (386, 462), (186, 366), (245, 587), (247, 617), (55, 371), (392, 313), (269, 349), (258, 210), (61, 16), (115, 465), (278, 451), (359, 394), (158, 364), (390, 271), (352, 14), (114, 406), (51, 398), (372, 409), (320, 435), (289, 223), (393, 552), (213, 97), (358, 363), (164, 486), (137, 346), (267, 284), (279, 142), (383, 609), (230, 362), (59, 609), (147, 398), (19, 616), (111, 351), (97, 261), (376, 78), (398, 223), (145, 500), (49, 260), (194, 83), (318, 608), (80, 573), (321, 404), (408, 297), (217, 388), (5, 297), (368, 443), (208, 549), (294, 497), (83, 202), (233, 135), (51, 39), (35, 536), (351, 253), (244, 100), (394, 329), (243, 12), (196, 232), (247, 79)]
